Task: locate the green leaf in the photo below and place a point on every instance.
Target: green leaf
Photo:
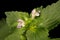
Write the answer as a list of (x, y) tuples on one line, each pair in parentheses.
[(13, 16), (50, 16), (16, 35), (4, 29), (38, 34)]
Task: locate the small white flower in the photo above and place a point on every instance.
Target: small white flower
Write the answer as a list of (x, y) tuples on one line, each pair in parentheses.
[(20, 23), (35, 13)]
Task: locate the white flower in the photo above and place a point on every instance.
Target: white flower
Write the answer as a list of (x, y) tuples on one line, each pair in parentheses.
[(35, 13), (20, 23)]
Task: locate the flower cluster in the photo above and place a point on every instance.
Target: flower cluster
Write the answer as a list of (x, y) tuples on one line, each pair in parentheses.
[(34, 13)]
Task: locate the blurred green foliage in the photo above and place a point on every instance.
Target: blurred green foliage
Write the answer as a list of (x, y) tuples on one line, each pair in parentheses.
[(36, 29)]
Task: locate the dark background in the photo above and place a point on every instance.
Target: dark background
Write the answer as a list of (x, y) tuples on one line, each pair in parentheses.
[(27, 6)]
